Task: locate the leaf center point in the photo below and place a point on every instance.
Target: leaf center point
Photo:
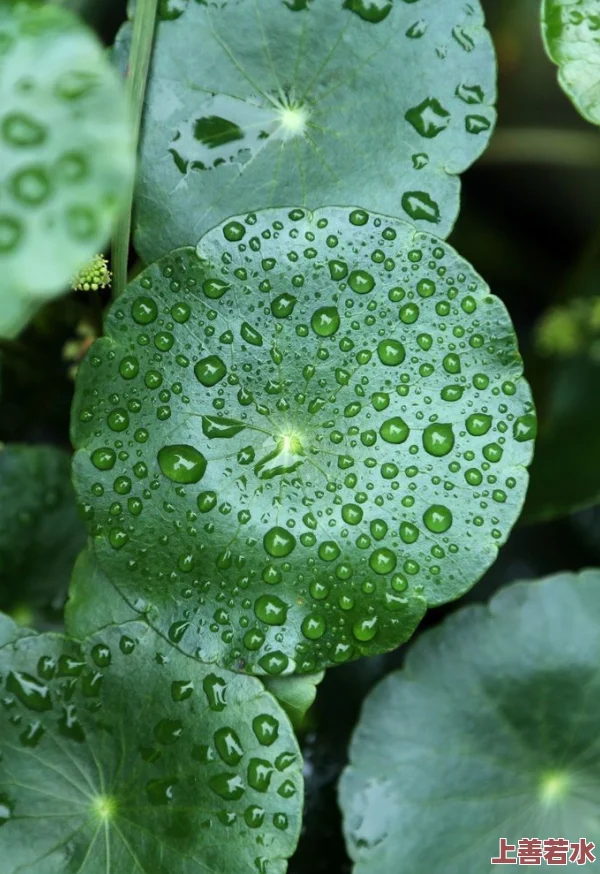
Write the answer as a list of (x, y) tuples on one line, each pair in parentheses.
[(293, 120), (554, 787), (104, 807)]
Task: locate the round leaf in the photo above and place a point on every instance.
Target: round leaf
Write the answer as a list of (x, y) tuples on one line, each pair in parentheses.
[(119, 756), (40, 530), (308, 102), (570, 29), (293, 439), (491, 730), (65, 154)]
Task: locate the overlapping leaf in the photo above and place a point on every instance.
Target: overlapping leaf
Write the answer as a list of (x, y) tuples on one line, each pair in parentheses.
[(571, 30), (490, 731), (121, 754), (254, 104), (296, 437), (65, 154)]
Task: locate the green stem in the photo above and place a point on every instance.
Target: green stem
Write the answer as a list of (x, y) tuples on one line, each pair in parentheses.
[(544, 146), (137, 74)]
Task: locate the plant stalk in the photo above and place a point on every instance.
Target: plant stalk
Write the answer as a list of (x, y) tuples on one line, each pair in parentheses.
[(144, 22)]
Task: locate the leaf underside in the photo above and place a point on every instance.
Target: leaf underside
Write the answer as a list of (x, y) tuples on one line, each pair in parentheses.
[(308, 102), (294, 439)]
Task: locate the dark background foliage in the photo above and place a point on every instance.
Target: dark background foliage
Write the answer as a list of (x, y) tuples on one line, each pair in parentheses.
[(529, 223)]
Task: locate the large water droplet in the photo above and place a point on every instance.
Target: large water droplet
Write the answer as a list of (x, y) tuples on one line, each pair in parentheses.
[(437, 518), (394, 430), (438, 439), (271, 609), (182, 464), (391, 352), (278, 542), (325, 321), (210, 370)]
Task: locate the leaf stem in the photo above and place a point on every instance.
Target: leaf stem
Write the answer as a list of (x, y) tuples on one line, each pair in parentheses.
[(144, 23), (539, 145)]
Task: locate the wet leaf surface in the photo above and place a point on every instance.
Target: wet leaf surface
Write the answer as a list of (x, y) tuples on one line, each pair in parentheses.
[(293, 440), (127, 755), (309, 102)]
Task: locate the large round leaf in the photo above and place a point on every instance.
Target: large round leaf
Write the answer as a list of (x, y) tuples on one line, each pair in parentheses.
[(40, 529), (293, 439), (121, 754), (571, 31), (309, 102), (65, 154), (490, 731)]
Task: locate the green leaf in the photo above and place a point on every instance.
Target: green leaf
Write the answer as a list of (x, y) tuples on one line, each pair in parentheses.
[(122, 754), (295, 694), (93, 601), (491, 730), (10, 631), (65, 154), (307, 103), (571, 35), (40, 530), (565, 475), (381, 462)]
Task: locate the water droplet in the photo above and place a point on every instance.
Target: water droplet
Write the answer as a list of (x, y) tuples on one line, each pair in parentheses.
[(365, 629), (525, 428), (278, 542), (182, 464), (325, 321), (6, 809), (394, 430), (382, 561), (104, 459), (250, 335), (391, 352), (283, 306), (144, 310), (168, 731), (361, 282), (101, 655), (214, 689), (234, 231), (437, 518), (313, 626), (181, 690), (30, 692), (438, 439), (478, 424), (210, 370), (271, 609), (266, 729)]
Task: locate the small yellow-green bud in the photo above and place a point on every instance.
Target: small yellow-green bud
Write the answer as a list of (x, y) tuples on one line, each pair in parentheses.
[(93, 276)]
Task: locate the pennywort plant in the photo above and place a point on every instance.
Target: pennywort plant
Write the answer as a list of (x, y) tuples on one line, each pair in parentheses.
[(304, 424)]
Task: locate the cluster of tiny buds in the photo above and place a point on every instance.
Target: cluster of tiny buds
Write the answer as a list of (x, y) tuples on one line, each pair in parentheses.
[(93, 276)]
